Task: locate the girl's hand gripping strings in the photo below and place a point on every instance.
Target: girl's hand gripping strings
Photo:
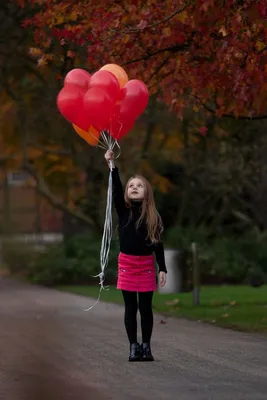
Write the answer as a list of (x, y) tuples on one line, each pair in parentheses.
[(109, 156)]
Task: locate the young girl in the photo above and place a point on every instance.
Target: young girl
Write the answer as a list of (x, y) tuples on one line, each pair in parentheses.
[(140, 229)]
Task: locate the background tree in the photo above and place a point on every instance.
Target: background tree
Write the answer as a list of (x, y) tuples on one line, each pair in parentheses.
[(209, 53)]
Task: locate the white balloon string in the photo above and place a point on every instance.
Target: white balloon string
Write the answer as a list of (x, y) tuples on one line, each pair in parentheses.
[(107, 143), (90, 308), (114, 141), (118, 146), (107, 232), (101, 146), (105, 138), (119, 130)]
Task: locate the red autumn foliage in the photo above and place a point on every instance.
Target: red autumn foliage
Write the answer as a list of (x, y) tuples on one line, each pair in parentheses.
[(209, 52)]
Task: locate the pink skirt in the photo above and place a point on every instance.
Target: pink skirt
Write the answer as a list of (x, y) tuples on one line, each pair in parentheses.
[(136, 273)]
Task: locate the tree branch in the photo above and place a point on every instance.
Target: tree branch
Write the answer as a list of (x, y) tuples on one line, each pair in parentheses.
[(132, 30), (159, 68), (172, 49), (46, 150), (240, 117), (9, 157), (41, 185), (56, 202)]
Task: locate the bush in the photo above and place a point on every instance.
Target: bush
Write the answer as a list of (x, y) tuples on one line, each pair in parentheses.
[(231, 259), (224, 260), (18, 257), (75, 261), (51, 267), (182, 238)]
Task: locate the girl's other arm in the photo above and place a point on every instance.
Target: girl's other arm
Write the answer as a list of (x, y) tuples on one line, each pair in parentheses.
[(118, 195), (160, 257)]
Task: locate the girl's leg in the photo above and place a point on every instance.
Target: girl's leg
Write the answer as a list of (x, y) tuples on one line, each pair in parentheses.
[(130, 320), (145, 308), (130, 315)]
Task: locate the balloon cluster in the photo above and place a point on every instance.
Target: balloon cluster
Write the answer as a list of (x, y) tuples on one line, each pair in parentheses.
[(103, 102)]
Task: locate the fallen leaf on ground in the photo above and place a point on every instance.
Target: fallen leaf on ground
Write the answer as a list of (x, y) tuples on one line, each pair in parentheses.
[(215, 302), (172, 302)]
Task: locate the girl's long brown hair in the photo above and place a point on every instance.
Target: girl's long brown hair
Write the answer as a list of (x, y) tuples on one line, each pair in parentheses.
[(149, 211)]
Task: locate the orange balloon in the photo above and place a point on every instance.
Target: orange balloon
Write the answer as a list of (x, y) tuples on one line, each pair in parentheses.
[(118, 72), (91, 137)]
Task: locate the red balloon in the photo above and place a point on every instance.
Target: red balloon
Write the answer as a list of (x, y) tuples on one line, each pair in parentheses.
[(119, 124), (78, 77), (106, 81), (98, 106), (70, 102), (119, 130), (121, 94), (83, 119), (134, 99)]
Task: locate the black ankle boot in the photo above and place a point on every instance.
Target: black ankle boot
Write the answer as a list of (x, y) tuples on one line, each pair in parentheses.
[(134, 352), (146, 354)]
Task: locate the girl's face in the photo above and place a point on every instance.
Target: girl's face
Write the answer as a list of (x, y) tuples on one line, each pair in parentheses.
[(136, 189)]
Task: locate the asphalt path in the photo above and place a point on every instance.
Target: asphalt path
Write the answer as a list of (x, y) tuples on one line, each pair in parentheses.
[(51, 349)]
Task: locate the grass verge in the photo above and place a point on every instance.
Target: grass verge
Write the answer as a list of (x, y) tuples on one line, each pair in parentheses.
[(237, 307)]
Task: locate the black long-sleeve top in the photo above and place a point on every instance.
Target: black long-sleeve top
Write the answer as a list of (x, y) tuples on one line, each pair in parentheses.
[(133, 241)]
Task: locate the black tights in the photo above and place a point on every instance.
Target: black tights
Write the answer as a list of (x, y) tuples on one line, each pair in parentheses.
[(144, 304)]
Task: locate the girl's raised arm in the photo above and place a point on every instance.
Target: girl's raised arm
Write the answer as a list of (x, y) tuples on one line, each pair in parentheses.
[(118, 193)]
